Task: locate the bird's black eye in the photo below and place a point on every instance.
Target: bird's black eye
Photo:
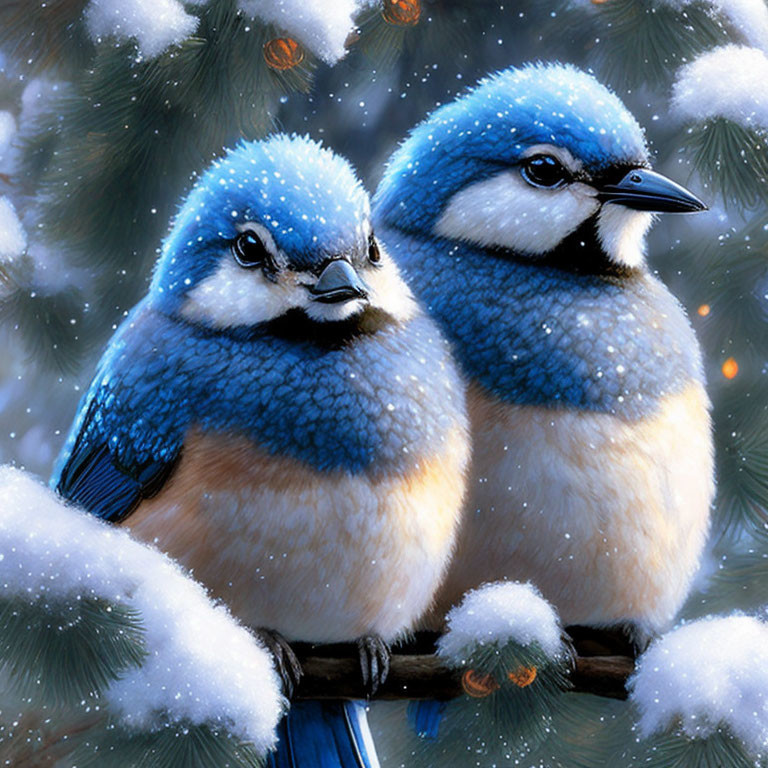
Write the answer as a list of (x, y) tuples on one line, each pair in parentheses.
[(374, 254), (544, 171), (249, 251)]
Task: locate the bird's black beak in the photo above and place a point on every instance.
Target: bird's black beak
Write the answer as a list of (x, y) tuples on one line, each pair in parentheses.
[(338, 282), (644, 190)]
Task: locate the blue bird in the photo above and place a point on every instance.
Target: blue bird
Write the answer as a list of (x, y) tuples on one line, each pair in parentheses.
[(280, 415), (518, 213)]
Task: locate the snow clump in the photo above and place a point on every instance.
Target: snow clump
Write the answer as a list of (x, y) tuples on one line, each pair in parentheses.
[(13, 239), (202, 667), (154, 24), (500, 613), (704, 675), (730, 82)]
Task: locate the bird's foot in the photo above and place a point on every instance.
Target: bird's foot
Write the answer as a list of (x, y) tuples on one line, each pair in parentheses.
[(374, 662), (288, 666)]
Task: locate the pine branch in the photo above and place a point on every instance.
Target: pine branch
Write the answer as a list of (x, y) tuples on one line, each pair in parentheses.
[(423, 676)]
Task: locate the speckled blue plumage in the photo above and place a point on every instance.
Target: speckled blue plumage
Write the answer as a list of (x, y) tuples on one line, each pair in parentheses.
[(374, 402), (543, 336), (354, 408), (552, 330), (492, 125)]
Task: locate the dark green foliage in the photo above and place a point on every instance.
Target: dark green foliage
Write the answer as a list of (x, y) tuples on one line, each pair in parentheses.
[(675, 750), (587, 732), (172, 746), (643, 42), (443, 25), (46, 35), (742, 462), (514, 711), (731, 160), (740, 583), (509, 722), (60, 658), (60, 654), (49, 324)]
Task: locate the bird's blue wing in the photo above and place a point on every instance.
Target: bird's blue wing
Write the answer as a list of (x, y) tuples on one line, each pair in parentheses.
[(93, 477)]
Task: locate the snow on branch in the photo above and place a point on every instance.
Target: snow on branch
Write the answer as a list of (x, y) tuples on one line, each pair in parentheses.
[(13, 239), (500, 613), (322, 27), (200, 666), (154, 24), (705, 675), (748, 17), (729, 82)]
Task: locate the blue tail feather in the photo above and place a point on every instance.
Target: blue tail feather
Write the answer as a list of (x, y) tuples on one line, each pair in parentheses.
[(425, 716), (324, 734)]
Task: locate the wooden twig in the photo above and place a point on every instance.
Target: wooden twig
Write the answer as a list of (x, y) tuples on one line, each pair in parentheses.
[(424, 677), (333, 672)]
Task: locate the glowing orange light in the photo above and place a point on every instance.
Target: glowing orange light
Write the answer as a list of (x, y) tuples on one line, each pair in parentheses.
[(283, 53), (730, 368), (704, 310), (522, 676), (402, 13), (478, 686)]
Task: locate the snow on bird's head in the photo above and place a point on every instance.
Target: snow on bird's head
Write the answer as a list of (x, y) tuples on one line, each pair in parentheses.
[(277, 230), (305, 196), (492, 125)]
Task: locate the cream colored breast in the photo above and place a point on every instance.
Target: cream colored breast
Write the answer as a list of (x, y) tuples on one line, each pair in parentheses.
[(607, 517), (316, 556)]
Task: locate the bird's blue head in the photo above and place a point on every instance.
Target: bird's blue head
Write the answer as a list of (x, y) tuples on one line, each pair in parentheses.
[(277, 230), (524, 161)]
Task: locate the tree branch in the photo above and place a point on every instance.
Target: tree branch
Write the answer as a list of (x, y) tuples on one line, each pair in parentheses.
[(333, 672)]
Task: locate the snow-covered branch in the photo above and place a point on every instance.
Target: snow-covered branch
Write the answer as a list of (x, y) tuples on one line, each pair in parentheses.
[(177, 659), (729, 82)]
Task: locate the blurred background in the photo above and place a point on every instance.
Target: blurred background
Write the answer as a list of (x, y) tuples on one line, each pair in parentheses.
[(109, 109)]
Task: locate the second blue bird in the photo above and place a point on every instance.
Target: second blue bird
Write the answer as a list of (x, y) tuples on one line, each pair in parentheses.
[(519, 212)]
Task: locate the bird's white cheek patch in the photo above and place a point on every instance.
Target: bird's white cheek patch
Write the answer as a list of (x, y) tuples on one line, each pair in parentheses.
[(389, 292), (622, 234), (233, 296), (506, 212)]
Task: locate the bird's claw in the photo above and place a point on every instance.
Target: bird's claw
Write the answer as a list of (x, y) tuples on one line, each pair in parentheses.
[(374, 662), (286, 662)]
